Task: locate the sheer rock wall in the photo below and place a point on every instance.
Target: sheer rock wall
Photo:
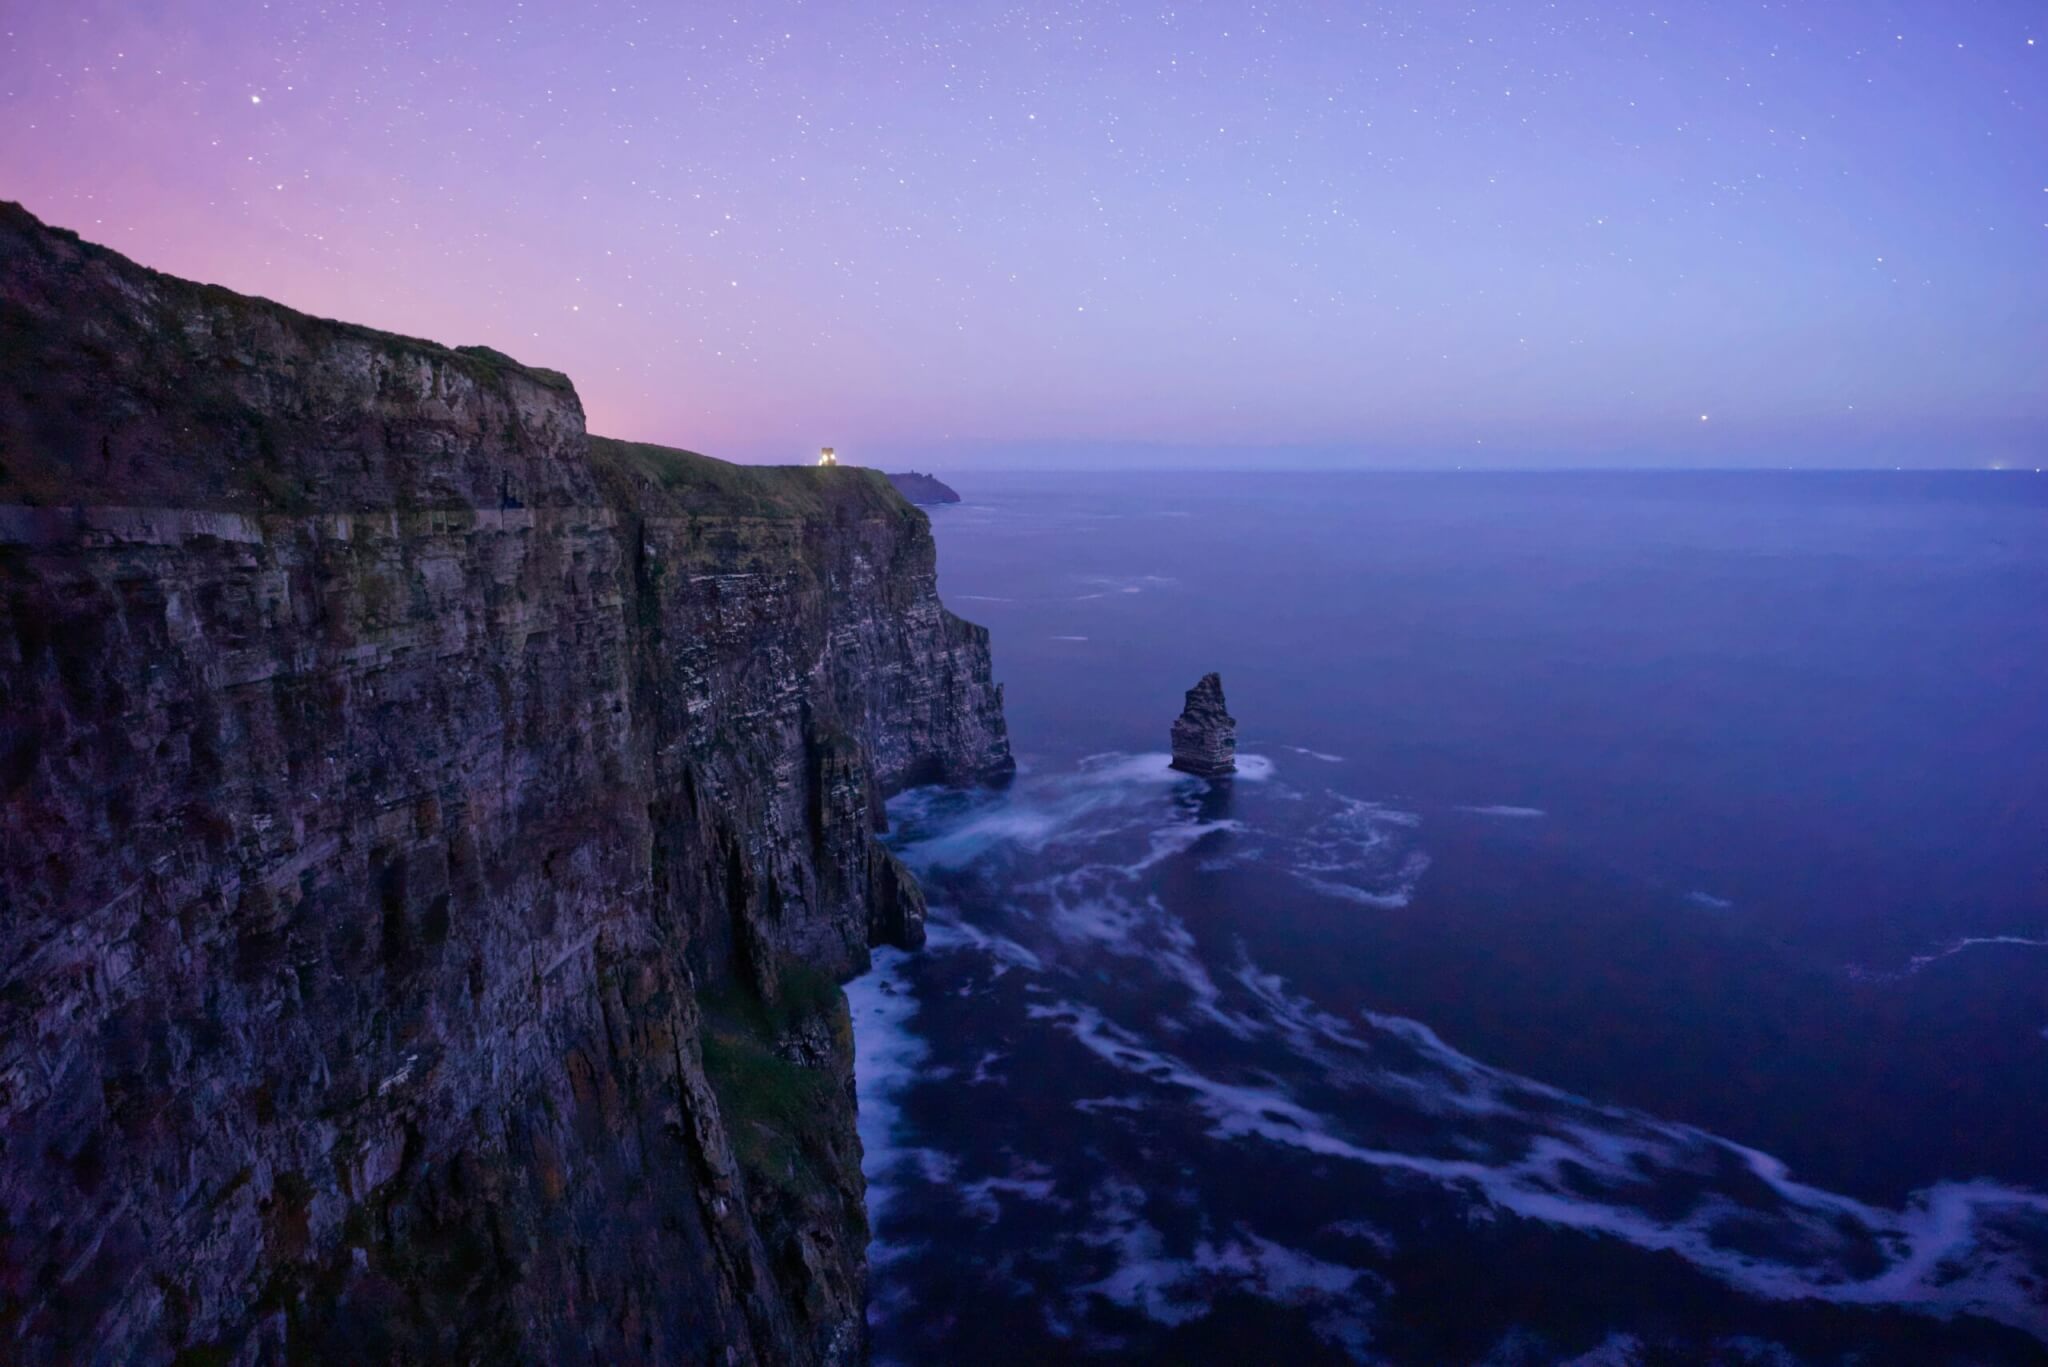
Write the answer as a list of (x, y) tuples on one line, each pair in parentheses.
[(431, 837)]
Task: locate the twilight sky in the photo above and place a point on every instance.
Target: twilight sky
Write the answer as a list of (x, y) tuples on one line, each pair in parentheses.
[(1003, 234)]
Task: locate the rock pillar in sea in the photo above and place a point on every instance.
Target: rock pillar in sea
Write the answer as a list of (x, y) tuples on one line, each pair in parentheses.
[(1205, 736)]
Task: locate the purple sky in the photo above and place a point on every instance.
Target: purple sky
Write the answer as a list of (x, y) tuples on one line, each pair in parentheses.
[(965, 233)]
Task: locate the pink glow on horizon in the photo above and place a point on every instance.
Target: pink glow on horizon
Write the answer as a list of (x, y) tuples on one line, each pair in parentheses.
[(760, 229)]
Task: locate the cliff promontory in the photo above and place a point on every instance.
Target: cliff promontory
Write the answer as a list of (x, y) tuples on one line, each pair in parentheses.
[(430, 839), (923, 488)]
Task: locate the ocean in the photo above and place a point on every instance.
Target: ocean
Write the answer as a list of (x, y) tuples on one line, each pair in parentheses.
[(1626, 939)]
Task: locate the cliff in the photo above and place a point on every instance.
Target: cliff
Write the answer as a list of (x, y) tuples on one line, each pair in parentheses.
[(923, 488), (431, 841)]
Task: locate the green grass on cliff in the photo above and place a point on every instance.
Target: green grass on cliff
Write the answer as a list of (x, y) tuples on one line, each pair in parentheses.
[(665, 481), (769, 1104), (779, 1114)]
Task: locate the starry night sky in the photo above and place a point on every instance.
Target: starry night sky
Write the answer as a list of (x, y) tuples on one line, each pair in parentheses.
[(1287, 234)]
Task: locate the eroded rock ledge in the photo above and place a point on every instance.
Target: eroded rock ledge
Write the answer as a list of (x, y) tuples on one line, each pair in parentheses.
[(431, 841)]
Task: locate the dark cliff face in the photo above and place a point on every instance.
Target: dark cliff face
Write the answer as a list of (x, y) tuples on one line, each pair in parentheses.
[(430, 841)]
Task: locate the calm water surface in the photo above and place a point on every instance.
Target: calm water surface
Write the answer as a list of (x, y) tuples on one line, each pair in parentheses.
[(1629, 935)]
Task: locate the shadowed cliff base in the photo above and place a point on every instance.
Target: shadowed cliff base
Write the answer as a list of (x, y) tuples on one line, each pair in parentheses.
[(432, 839)]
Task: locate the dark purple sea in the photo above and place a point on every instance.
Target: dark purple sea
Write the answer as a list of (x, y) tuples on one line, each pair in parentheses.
[(1626, 940)]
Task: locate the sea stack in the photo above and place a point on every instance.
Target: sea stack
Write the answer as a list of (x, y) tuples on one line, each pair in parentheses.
[(1205, 736)]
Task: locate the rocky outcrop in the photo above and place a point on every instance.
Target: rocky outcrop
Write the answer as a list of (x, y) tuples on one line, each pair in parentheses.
[(431, 839), (1205, 735), (923, 488)]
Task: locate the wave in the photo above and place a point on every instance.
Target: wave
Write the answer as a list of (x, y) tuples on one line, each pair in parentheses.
[(1969, 942), (1114, 800), (1260, 1064), (887, 1058), (1174, 1290), (1032, 1182), (1100, 796), (1355, 854), (1609, 1171), (1316, 754), (1960, 945), (1109, 585)]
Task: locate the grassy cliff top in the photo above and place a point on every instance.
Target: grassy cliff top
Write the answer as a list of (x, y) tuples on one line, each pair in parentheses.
[(662, 481)]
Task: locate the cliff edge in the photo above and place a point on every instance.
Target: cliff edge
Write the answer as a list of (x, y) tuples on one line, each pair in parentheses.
[(432, 839)]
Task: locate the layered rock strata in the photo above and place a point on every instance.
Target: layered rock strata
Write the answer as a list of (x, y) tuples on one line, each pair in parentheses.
[(431, 842), (1205, 735)]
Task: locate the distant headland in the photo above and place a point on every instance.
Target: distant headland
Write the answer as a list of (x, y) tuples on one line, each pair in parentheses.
[(923, 488)]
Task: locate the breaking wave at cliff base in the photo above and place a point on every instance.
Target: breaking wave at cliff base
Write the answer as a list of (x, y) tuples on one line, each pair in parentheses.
[(1175, 1062)]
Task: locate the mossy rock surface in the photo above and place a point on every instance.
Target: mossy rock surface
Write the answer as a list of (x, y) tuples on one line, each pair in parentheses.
[(783, 1117)]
